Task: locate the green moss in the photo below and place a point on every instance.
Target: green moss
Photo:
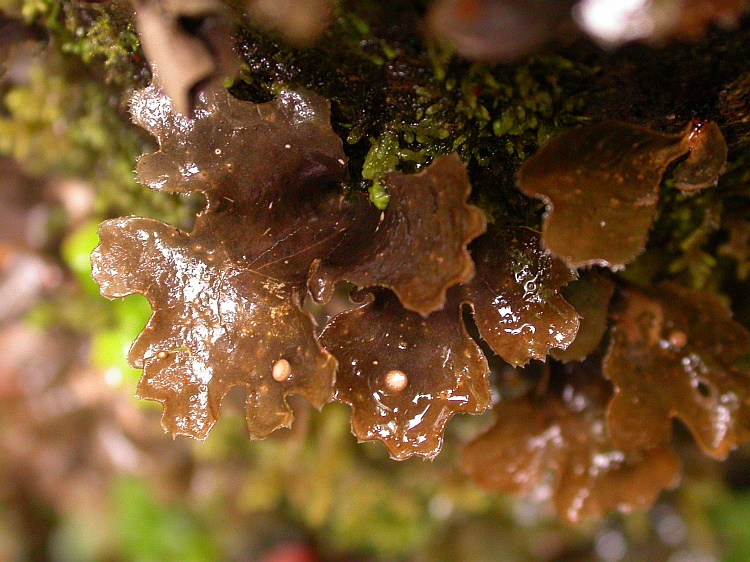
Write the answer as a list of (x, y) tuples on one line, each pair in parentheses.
[(97, 34), (382, 157), (55, 125), (379, 196), (351, 494), (106, 38)]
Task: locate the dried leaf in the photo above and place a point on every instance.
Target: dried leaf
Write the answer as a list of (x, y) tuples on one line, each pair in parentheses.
[(590, 296), (677, 353), (427, 210), (601, 185), (515, 296), (405, 375), (556, 446), (181, 58)]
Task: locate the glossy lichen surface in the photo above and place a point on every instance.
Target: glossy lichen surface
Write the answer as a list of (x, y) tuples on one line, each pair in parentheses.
[(420, 240), (601, 185), (677, 353), (555, 444), (227, 296), (216, 302), (516, 306), (404, 375), (515, 296), (590, 296)]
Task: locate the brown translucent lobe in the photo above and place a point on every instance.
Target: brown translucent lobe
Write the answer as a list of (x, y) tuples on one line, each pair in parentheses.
[(418, 249), (214, 326), (445, 370), (556, 445), (590, 296), (226, 297), (272, 174), (496, 31), (515, 296), (677, 353), (252, 161), (517, 308), (706, 160), (601, 186)]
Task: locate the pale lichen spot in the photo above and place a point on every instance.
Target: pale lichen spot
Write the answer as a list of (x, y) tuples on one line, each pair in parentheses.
[(281, 371), (396, 381)]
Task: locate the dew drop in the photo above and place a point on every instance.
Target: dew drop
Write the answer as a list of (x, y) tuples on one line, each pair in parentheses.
[(281, 370)]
